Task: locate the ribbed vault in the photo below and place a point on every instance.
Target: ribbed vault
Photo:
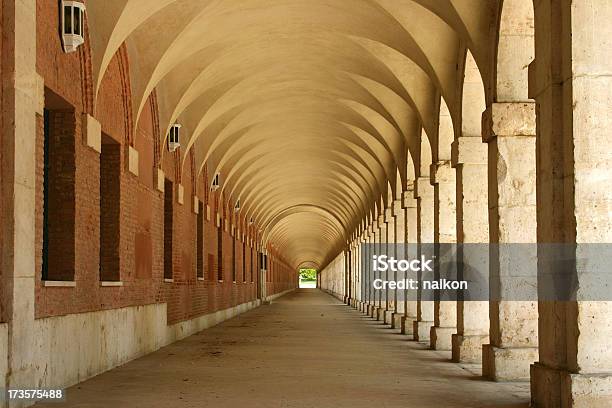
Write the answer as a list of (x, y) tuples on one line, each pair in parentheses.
[(313, 112)]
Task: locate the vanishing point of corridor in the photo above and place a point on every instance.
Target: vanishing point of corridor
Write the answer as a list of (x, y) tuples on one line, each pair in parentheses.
[(305, 349)]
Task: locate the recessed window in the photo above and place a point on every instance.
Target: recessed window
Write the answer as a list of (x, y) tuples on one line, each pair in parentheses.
[(58, 189), (110, 199), (220, 252), (244, 261), (252, 255), (200, 241), (168, 222)]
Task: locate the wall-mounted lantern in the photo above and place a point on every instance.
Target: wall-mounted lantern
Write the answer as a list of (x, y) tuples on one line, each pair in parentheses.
[(174, 137), (72, 16), (237, 206), (216, 183)]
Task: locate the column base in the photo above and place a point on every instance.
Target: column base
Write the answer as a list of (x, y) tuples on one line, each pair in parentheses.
[(552, 387), (507, 364), (407, 325), (389, 316), (396, 321), (440, 338), (370, 310), (380, 314), (468, 348), (421, 330)]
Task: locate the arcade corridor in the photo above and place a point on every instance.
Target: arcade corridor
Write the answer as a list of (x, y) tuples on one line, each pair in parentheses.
[(167, 167)]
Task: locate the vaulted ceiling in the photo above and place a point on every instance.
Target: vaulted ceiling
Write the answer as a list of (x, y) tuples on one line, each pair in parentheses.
[(312, 111)]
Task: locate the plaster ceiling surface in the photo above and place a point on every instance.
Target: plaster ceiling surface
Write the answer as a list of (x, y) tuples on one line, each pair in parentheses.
[(313, 112)]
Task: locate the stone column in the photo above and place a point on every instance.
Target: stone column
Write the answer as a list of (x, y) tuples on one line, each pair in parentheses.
[(366, 273), (389, 249), (509, 130), (371, 249), (354, 253), (357, 275), (360, 271), (410, 305), (443, 179), (399, 218), (347, 276), (424, 193), (381, 249), (470, 161), (571, 80), (22, 107)]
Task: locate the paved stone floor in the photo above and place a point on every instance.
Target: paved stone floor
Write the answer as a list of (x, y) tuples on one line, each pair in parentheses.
[(305, 349)]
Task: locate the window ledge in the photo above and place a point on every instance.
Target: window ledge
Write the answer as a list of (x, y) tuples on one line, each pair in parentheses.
[(59, 284), (200, 278), (111, 283), (166, 280)]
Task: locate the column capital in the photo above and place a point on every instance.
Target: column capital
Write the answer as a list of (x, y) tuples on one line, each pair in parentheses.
[(397, 207), (509, 119), (408, 199), (442, 172), (468, 150), (422, 187), (381, 220), (389, 214)]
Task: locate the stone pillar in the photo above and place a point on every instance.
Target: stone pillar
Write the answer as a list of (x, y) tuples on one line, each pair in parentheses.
[(410, 305), (353, 251), (470, 161), (360, 270), (22, 108), (399, 218), (509, 130), (347, 276), (371, 249), (389, 249), (381, 249), (424, 193), (571, 81), (445, 232)]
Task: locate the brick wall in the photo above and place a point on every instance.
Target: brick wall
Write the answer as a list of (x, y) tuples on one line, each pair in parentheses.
[(134, 201)]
